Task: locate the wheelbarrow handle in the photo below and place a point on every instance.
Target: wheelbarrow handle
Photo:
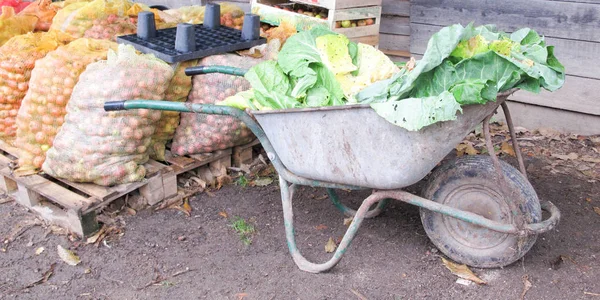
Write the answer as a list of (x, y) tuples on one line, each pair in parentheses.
[(199, 70), (227, 111)]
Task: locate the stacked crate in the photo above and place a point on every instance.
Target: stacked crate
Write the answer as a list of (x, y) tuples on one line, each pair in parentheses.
[(337, 11)]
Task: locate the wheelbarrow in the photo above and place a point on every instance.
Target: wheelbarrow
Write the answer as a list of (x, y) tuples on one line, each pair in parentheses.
[(477, 210)]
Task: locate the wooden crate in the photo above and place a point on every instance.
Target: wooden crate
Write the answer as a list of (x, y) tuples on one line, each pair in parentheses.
[(340, 4), (275, 16)]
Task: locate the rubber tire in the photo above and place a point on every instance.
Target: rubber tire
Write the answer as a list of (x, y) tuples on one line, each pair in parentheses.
[(463, 183)]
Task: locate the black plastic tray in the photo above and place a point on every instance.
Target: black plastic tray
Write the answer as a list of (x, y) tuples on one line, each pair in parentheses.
[(208, 42)]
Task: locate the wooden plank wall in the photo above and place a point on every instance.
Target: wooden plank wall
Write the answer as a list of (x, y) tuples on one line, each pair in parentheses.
[(394, 33), (573, 26)]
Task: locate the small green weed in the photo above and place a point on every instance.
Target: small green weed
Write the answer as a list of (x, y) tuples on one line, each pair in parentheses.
[(167, 283), (243, 229), (242, 181)]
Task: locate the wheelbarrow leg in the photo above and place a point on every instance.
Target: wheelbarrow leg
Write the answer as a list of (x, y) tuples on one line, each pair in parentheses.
[(287, 193), (513, 137), (349, 212)]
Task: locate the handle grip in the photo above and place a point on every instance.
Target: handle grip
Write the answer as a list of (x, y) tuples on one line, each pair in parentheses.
[(114, 105)]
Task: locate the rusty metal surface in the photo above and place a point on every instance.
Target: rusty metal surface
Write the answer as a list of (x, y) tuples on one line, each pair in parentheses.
[(353, 145)]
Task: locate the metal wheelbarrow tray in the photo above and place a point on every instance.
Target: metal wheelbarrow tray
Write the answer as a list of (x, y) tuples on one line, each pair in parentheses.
[(477, 210), (353, 145)]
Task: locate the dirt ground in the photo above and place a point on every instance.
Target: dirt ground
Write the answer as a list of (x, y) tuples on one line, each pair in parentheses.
[(167, 255)]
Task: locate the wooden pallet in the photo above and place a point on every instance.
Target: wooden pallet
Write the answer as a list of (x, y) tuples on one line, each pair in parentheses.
[(64, 203), (209, 166), (74, 205), (244, 154)]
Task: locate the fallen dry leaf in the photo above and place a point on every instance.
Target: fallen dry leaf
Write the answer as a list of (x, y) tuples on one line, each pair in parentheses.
[(6, 200), (223, 180), (358, 294), (597, 210), (44, 278), (320, 227), (589, 200), (549, 133), (39, 250), (130, 211), (570, 156), (526, 286), (507, 149), (263, 181), (557, 263), (322, 197), (347, 221), (410, 65), (590, 159), (519, 130), (68, 256), (466, 148), (330, 246), (223, 214), (57, 230), (589, 173), (241, 296), (94, 238), (269, 170), (462, 271), (186, 206)]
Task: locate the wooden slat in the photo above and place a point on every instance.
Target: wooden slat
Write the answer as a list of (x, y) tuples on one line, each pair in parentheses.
[(201, 160), (97, 191), (396, 7), (534, 117), (578, 94), (204, 159), (551, 18), (580, 1), (4, 161), (394, 42), (395, 25), (108, 193), (372, 40), (52, 191), (339, 4), (180, 161), (9, 148), (580, 58), (357, 13), (397, 53)]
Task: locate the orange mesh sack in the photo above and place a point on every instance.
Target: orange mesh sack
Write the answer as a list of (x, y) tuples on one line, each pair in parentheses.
[(178, 91), (43, 10), (76, 18), (17, 59), (111, 26), (43, 109), (17, 5), (201, 133), (12, 25), (109, 148), (231, 14)]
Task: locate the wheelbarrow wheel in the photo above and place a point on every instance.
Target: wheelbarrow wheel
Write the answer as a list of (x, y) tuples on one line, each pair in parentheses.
[(470, 183)]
